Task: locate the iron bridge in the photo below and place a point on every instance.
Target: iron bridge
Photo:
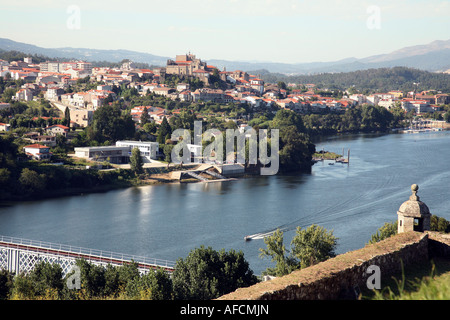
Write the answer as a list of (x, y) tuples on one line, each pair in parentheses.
[(21, 255)]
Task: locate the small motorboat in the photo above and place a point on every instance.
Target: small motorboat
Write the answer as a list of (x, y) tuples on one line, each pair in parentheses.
[(247, 238)]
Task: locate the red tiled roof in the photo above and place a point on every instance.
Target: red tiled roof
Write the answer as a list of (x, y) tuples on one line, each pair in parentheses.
[(36, 146), (58, 125)]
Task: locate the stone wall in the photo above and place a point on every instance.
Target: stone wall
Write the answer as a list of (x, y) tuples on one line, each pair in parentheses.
[(439, 244), (342, 276)]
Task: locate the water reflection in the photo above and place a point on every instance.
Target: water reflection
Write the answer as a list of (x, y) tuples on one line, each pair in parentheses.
[(167, 221)]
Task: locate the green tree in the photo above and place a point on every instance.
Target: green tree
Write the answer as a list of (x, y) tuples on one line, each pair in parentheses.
[(439, 224), (8, 151), (23, 288), (128, 272), (167, 150), (8, 94), (47, 276), (387, 230), (5, 175), (136, 162), (113, 286), (185, 120), (117, 279), (145, 117), (313, 245), (31, 181), (6, 284), (149, 127), (155, 285), (279, 254), (163, 131), (108, 124), (44, 281), (375, 118), (281, 85), (207, 274), (296, 150), (66, 120), (92, 278), (351, 120), (286, 118), (308, 246), (447, 116)]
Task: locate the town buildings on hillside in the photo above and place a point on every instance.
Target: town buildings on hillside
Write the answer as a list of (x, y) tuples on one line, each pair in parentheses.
[(51, 79)]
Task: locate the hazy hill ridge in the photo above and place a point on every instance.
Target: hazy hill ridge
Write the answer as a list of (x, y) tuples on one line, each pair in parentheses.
[(434, 56)]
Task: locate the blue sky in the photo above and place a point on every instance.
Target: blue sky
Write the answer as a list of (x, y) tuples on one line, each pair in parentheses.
[(247, 30)]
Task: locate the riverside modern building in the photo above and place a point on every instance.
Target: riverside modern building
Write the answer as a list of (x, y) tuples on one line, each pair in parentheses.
[(112, 154), (149, 150), (120, 153)]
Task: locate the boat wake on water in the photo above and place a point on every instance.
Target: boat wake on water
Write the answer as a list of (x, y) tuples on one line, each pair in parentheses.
[(327, 215), (350, 207), (306, 220)]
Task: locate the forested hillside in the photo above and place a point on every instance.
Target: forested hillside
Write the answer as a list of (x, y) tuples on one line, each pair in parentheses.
[(13, 55), (377, 80)]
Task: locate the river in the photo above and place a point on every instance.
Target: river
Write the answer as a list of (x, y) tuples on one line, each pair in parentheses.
[(167, 221)]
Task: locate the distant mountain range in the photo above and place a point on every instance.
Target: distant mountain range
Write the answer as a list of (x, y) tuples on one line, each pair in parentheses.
[(434, 57), (83, 53)]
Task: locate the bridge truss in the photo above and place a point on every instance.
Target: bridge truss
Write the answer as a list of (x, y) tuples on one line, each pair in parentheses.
[(21, 255)]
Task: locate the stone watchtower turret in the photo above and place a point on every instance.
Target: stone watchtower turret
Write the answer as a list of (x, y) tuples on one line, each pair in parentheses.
[(413, 214)]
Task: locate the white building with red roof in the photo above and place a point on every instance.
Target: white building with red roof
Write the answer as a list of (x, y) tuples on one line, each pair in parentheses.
[(37, 151), (57, 129), (4, 126)]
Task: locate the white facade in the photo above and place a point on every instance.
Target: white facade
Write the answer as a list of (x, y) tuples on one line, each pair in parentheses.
[(183, 86), (57, 129), (386, 103), (4, 126), (113, 154), (120, 153), (149, 150), (82, 117), (373, 99), (24, 94), (196, 151), (86, 66), (54, 93), (420, 106), (359, 98), (79, 98), (49, 66), (104, 87), (37, 151), (254, 101), (77, 73)]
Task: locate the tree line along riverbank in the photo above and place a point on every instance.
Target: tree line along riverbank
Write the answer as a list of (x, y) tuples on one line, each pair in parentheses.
[(22, 179)]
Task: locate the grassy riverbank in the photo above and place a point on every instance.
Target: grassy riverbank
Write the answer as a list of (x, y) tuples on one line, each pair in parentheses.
[(38, 181), (326, 155)]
